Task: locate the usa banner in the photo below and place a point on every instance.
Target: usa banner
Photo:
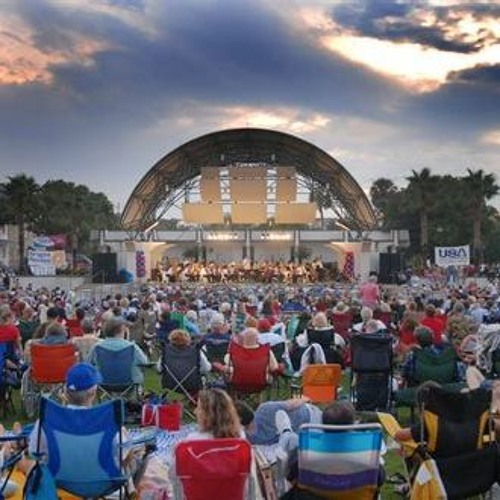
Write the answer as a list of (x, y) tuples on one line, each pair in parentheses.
[(452, 256)]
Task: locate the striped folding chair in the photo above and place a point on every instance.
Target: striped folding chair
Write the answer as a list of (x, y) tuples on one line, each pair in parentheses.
[(340, 461)]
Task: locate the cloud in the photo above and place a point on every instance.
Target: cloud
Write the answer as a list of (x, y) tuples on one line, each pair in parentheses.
[(418, 48), (23, 62), (107, 87), (492, 137), (463, 29)]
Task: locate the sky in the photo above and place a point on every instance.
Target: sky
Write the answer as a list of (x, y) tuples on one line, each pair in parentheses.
[(97, 91)]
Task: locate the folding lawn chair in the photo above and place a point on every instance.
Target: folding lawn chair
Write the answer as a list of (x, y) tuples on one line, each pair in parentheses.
[(6, 401), (340, 461), (83, 447), (371, 371), (320, 383), (248, 370), (440, 367), (214, 468), (47, 373), (116, 368), (18, 443), (215, 351), (181, 372), (456, 431), (342, 322), (326, 339)]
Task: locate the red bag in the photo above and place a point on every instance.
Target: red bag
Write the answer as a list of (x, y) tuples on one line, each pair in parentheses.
[(166, 416)]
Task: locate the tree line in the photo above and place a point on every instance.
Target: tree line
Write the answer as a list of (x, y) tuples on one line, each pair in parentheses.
[(442, 210), (55, 207)]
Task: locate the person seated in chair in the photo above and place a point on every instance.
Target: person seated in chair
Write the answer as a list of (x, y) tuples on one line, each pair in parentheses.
[(115, 332), (80, 392), (366, 314), (249, 340), (219, 331), (180, 354), (82, 380), (54, 335), (425, 342), (282, 420), (321, 332)]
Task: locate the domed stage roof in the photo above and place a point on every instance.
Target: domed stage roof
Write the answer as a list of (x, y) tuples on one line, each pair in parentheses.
[(164, 184)]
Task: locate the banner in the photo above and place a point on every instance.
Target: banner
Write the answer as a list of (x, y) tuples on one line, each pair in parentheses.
[(452, 256), (40, 263), (52, 242)]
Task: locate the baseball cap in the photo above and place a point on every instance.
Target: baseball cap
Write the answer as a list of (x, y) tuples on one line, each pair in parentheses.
[(82, 376)]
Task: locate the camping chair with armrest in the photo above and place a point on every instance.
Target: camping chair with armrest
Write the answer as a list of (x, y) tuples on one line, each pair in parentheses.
[(456, 431), (18, 443), (7, 376), (74, 327), (385, 317), (326, 339), (115, 368), (342, 322), (47, 373), (438, 366), (280, 352), (213, 468), (181, 373), (371, 371), (320, 383), (215, 351), (340, 461), (248, 370), (83, 447)]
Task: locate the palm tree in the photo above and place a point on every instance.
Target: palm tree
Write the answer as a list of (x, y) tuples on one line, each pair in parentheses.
[(20, 208), (479, 187), (421, 190)]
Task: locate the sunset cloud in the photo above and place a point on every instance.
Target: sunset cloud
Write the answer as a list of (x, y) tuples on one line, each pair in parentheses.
[(23, 62)]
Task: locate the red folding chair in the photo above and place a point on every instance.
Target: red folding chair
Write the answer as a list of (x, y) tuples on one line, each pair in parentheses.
[(342, 323), (47, 373), (213, 468), (50, 363), (74, 327), (248, 369)]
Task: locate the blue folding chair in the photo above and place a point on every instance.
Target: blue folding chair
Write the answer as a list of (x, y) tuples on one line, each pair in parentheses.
[(84, 447), (6, 401), (17, 453), (115, 368), (340, 461)]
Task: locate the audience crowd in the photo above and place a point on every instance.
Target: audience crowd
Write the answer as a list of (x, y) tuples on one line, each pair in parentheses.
[(199, 322)]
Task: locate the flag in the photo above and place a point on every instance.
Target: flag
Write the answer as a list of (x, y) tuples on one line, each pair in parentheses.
[(348, 271)]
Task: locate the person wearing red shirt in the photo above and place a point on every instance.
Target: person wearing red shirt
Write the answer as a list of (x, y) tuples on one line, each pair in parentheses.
[(434, 322), (8, 330)]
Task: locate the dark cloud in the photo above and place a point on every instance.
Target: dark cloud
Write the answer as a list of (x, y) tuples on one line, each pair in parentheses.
[(391, 20), (205, 55), (487, 75), (219, 52)]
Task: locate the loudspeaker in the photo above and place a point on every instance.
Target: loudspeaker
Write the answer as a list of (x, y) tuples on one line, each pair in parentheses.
[(104, 268), (390, 264)]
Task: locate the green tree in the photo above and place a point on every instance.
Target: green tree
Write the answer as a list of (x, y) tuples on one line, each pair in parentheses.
[(422, 191), (20, 206), (479, 187), (74, 210), (383, 194)]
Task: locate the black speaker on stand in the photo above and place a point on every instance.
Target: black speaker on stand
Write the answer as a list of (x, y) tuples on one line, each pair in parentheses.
[(104, 268)]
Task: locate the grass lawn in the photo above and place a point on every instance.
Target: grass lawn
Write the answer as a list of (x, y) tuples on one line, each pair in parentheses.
[(152, 384)]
